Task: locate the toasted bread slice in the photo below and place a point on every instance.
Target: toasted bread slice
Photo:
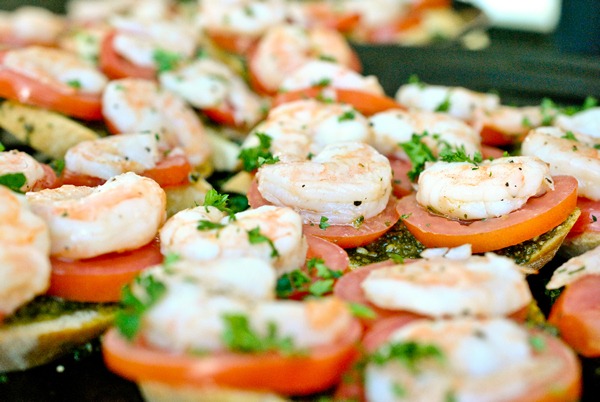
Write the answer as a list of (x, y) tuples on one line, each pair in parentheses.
[(48, 328), (157, 392), (577, 245), (47, 132)]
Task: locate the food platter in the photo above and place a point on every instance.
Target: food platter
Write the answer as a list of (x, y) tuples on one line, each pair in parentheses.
[(522, 75)]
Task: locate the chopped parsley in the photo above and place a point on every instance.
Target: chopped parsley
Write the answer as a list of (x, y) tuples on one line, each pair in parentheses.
[(255, 157), (74, 84), (569, 136), (219, 201), (323, 223), (317, 280), (58, 165), (165, 60), (347, 115), (409, 353), (208, 225), (239, 337), (537, 343), (128, 319), (419, 153), (458, 154), (362, 311), (255, 237), (13, 181), (445, 105)]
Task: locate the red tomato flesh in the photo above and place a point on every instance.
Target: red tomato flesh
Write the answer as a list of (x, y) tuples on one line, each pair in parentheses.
[(589, 220), (116, 67), (100, 279), (538, 216), (67, 100), (576, 314), (345, 236), (317, 370)]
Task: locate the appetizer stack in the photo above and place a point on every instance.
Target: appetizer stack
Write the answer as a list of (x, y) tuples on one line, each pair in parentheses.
[(216, 191)]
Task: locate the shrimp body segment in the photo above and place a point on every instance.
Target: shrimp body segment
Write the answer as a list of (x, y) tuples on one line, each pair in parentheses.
[(586, 122), (135, 105), (24, 252), (223, 237), (110, 156), (477, 360), (123, 214), (393, 127), (30, 25), (587, 263), (56, 68), (483, 286), (329, 74), (284, 48), (464, 191), (301, 128), (344, 182), (456, 101), (20, 162), (174, 323), (206, 84), (576, 156)]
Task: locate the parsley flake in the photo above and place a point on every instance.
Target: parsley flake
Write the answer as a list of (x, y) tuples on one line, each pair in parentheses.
[(13, 181), (323, 223), (165, 60), (419, 153), (239, 337), (255, 157), (255, 237)]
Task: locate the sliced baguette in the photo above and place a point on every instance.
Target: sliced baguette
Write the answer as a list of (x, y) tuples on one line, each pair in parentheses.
[(28, 341), (47, 132), (577, 245), (158, 392)]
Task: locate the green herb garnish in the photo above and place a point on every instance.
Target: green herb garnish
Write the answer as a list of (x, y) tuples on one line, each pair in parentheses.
[(255, 237), (13, 181), (255, 157)]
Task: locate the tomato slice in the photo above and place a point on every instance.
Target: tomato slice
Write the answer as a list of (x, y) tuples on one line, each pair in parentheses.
[(345, 236), (388, 33), (365, 102), (563, 383), (171, 171), (116, 67), (538, 216), (576, 314), (222, 115), (349, 288), (50, 180), (317, 370), (491, 136), (232, 43), (100, 279), (401, 183), (335, 257), (69, 101), (589, 220)]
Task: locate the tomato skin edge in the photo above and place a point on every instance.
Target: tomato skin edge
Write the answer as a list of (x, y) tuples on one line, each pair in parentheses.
[(489, 235), (318, 370), (100, 279)]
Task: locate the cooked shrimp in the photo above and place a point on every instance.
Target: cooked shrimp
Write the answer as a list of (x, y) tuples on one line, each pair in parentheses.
[(87, 11), (28, 25), (133, 105), (393, 127), (483, 286), (343, 182), (476, 360), (174, 324), (302, 128), (585, 122), (575, 155), (456, 101), (464, 191), (57, 68), (24, 253), (248, 18), (110, 156), (138, 40), (271, 233), (249, 278), (208, 84), (511, 120), (20, 162), (123, 214), (327, 74), (587, 263), (284, 48)]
